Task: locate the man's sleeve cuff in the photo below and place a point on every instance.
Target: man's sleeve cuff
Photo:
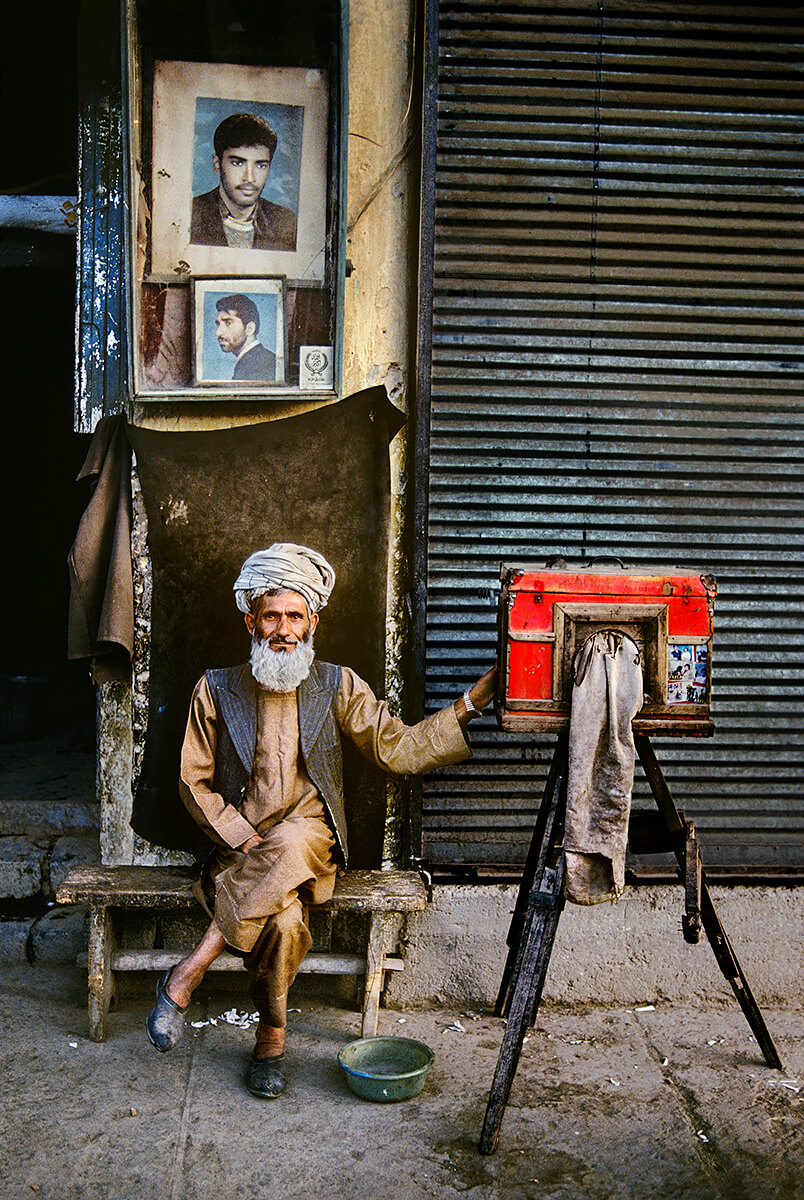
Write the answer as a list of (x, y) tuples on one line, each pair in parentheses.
[(456, 743), (235, 830)]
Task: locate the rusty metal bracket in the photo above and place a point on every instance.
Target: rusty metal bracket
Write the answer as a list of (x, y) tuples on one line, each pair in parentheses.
[(710, 586), (422, 866)]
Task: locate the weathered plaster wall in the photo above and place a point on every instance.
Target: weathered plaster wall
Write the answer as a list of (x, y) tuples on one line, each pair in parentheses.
[(384, 116), (381, 293), (380, 313)]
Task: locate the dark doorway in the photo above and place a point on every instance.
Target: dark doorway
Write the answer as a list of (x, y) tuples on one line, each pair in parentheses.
[(40, 455)]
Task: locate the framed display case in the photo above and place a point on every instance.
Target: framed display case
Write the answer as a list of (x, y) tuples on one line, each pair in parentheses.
[(234, 176)]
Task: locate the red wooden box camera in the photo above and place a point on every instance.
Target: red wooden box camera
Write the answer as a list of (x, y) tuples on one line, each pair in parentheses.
[(547, 613)]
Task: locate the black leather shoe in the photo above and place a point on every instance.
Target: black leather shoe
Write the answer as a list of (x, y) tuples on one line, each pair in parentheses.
[(165, 1022), (265, 1077)]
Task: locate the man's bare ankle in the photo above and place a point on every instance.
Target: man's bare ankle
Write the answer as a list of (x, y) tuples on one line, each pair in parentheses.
[(179, 987), (270, 1041)]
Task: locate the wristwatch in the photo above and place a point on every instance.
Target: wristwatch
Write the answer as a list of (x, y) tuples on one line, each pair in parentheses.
[(470, 707)]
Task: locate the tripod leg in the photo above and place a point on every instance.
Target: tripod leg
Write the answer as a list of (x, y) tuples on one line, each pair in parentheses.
[(726, 958), (693, 880), (541, 920), (537, 856)]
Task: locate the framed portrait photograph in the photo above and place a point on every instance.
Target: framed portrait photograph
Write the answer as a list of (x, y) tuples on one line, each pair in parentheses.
[(239, 332), (239, 170)]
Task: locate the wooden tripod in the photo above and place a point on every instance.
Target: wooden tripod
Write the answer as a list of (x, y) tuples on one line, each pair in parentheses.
[(541, 900)]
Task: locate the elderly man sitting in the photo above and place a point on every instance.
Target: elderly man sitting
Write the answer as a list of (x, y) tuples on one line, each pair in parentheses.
[(261, 773)]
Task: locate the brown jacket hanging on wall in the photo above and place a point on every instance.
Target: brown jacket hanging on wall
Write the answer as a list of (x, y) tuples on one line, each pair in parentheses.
[(101, 613)]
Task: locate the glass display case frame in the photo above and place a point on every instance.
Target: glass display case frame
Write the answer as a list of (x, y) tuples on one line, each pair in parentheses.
[(212, 211)]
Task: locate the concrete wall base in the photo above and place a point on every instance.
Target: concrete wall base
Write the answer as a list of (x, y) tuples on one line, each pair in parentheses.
[(630, 952)]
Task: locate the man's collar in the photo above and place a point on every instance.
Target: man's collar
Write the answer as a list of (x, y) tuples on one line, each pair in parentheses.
[(225, 211), (249, 345)]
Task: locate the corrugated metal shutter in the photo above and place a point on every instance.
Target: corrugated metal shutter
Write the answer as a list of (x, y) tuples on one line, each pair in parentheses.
[(616, 370)]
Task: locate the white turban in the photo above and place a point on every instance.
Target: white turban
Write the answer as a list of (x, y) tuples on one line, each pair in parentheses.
[(286, 567)]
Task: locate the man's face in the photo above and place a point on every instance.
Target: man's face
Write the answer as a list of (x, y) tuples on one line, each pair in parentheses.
[(282, 621), (231, 332), (243, 171)]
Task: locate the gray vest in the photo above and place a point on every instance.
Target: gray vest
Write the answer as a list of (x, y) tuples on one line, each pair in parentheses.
[(234, 692)]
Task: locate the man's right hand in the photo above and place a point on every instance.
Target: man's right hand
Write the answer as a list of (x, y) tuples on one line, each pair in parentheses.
[(481, 693), (254, 840)]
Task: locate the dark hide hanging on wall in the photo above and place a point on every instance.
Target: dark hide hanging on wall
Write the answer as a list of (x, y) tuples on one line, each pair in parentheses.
[(213, 498)]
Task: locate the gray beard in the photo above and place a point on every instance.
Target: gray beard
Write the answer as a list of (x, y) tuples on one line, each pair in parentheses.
[(281, 670)]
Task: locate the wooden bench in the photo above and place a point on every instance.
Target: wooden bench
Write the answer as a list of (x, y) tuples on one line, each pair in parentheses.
[(109, 889)]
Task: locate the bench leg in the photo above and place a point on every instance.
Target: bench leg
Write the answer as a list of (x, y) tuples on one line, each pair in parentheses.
[(100, 981), (375, 962)]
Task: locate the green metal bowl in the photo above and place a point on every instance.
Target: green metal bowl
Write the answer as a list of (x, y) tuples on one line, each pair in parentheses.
[(385, 1068)]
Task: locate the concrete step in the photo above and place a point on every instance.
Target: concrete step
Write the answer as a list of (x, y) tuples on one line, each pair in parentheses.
[(47, 787), (40, 815), (57, 936), (55, 762), (33, 867)]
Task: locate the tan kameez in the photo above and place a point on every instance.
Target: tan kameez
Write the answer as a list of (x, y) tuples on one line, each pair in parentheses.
[(293, 865)]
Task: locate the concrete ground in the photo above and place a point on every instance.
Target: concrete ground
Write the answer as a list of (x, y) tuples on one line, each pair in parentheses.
[(673, 1101)]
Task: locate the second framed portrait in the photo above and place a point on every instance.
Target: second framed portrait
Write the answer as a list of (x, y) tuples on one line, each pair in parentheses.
[(239, 332)]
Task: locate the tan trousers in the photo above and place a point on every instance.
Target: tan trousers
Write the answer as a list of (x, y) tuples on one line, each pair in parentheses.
[(258, 902), (275, 960)]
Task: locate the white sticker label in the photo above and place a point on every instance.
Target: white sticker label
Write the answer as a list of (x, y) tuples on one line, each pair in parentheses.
[(316, 367)]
